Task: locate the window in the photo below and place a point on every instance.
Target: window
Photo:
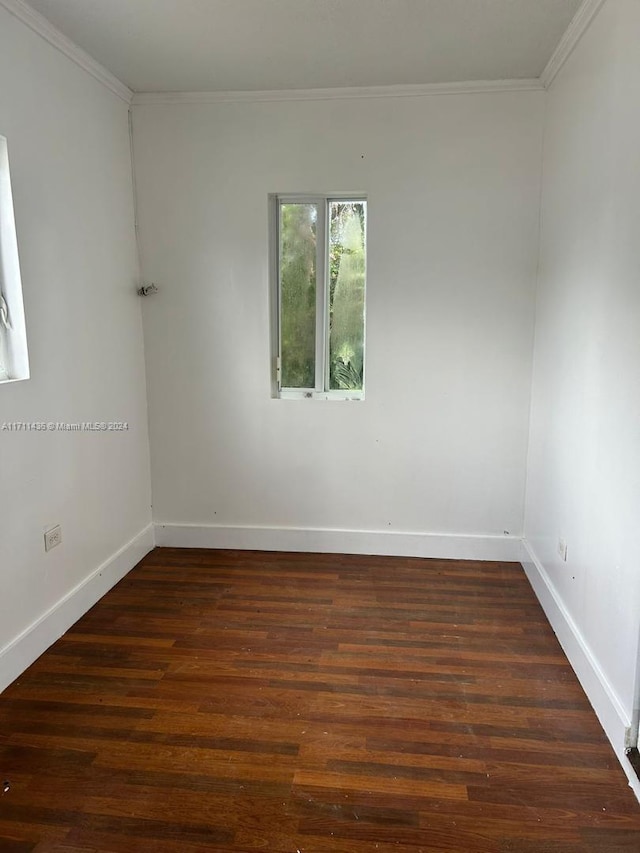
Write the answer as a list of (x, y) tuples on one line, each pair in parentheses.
[(4, 328), (14, 361), (318, 248)]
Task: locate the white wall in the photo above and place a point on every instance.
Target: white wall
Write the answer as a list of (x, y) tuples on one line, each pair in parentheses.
[(584, 462), (70, 169), (439, 445)]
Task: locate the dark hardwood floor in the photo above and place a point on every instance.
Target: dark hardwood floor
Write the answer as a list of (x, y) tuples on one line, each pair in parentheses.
[(225, 701)]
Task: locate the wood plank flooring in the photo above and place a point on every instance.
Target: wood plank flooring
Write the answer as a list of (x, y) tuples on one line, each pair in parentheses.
[(245, 701)]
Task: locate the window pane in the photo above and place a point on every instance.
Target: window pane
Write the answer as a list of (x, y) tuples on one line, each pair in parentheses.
[(298, 294), (346, 294)]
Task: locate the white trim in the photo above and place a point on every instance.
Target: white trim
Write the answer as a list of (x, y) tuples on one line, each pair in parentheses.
[(419, 90), (334, 541), (605, 701), (40, 25), (24, 649), (574, 32)]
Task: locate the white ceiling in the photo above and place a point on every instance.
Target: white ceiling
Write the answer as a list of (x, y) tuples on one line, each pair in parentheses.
[(243, 45)]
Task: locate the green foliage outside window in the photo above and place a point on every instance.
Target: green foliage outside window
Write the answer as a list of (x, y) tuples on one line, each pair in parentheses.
[(298, 294), (346, 295), (345, 299)]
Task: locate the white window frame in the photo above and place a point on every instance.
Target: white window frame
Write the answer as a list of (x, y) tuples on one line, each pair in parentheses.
[(319, 392)]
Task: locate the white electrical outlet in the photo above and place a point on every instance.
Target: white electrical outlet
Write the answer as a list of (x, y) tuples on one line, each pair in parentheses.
[(52, 537), (562, 549)]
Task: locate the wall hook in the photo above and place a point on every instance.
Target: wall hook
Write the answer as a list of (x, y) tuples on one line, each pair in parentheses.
[(147, 289)]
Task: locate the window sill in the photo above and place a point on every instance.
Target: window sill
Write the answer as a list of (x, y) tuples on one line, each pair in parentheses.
[(8, 381), (343, 396)]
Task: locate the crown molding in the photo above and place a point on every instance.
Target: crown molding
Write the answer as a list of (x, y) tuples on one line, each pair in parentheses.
[(40, 25), (472, 87), (574, 32)]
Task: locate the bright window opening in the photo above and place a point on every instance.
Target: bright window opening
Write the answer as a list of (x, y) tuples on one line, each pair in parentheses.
[(14, 359), (319, 272)]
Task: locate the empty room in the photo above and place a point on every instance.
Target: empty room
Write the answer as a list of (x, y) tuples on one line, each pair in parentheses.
[(319, 426)]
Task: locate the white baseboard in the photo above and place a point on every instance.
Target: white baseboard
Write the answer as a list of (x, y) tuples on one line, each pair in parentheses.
[(24, 649), (327, 541), (605, 701)]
